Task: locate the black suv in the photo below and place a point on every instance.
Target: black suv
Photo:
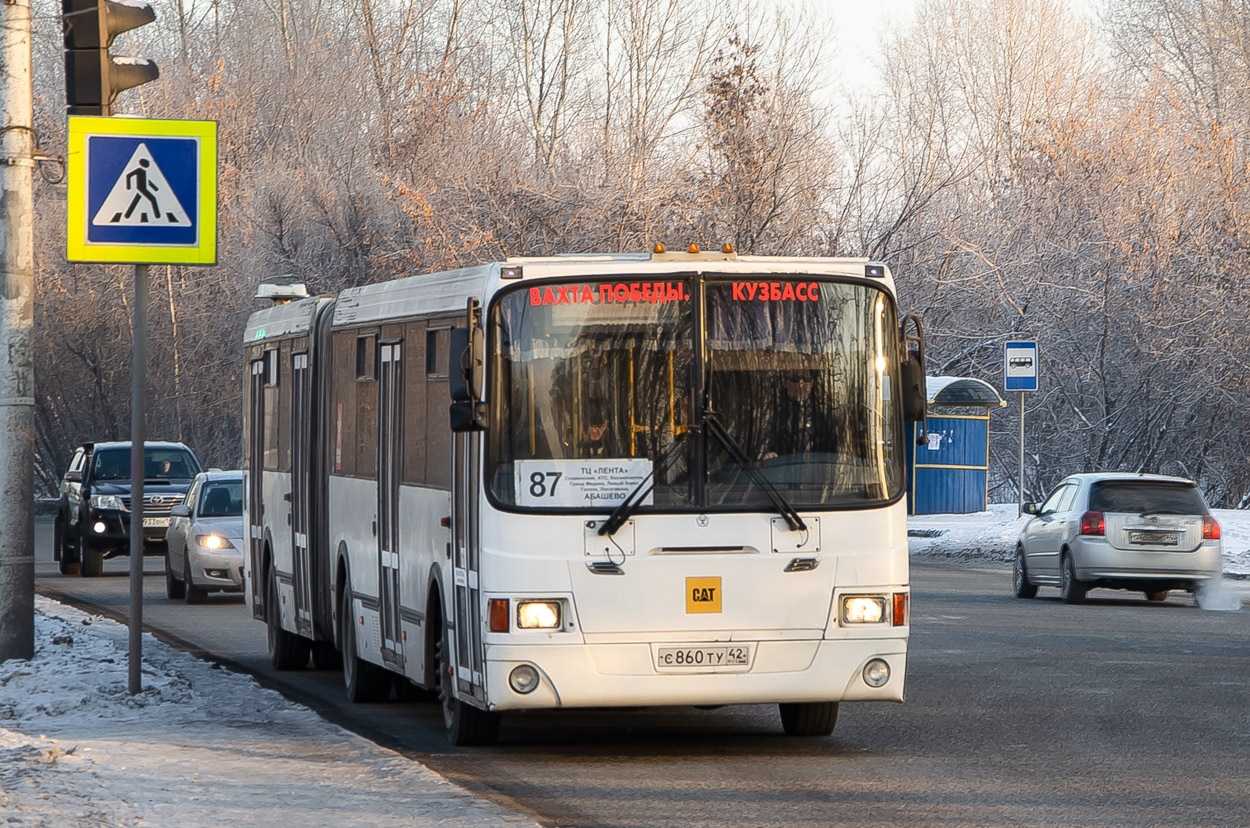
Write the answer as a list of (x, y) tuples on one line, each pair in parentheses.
[(93, 514)]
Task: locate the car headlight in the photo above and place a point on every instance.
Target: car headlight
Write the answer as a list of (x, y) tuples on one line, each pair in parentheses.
[(538, 615), (213, 542), (863, 609), (107, 502)]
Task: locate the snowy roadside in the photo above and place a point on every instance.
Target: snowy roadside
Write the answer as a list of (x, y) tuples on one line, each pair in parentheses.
[(990, 537), (199, 746)]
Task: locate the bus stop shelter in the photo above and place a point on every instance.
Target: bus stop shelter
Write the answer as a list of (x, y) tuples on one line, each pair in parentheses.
[(949, 472)]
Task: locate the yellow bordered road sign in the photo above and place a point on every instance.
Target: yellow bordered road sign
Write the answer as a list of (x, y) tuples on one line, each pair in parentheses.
[(142, 191)]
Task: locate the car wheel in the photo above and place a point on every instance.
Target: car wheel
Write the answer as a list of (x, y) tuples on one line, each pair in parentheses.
[(66, 557), (1020, 577), (174, 588), (1071, 589), (364, 681), (465, 724), (195, 595), (92, 564), (1159, 595), (809, 718), (287, 650)]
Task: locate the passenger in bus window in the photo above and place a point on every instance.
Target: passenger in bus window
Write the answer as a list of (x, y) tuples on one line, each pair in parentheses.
[(596, 436)]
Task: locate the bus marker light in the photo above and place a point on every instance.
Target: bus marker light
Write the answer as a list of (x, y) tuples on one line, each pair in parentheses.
[(900, 609), (523, 679), (876, 673), (498, 615), (538, 615)]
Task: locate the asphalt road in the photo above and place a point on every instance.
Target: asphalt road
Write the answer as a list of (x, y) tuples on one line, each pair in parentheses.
[(1113, 713)]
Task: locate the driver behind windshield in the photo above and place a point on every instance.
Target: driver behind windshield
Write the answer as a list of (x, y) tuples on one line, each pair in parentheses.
[(800, 420)]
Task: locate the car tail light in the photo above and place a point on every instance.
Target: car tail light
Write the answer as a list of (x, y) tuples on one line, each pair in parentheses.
[(1210, 528), (1092, 523)]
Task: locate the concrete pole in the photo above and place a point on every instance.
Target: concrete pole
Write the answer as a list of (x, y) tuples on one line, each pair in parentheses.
[(17, 323)]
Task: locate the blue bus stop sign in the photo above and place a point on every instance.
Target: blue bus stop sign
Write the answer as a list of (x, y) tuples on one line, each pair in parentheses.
[(1020, 366)]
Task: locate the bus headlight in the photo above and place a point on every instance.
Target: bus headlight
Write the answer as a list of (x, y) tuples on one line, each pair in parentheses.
[(538, 615), (863, 609)]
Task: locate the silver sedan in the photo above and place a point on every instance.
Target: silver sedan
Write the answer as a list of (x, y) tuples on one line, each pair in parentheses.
[(1141, 532), (205, 538)]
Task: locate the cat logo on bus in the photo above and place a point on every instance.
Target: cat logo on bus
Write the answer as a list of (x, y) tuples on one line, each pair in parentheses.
[(703, 595)]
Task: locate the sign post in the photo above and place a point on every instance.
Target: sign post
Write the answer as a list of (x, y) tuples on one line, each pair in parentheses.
[(1020, 373), (141, 192)]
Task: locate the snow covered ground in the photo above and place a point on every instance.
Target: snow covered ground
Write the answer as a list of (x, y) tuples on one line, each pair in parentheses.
[(199, 746), (203, 746)]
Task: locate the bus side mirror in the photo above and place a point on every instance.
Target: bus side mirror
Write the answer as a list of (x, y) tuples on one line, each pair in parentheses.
[(467, 416), (915, 391), (459, 365), (913, 388)]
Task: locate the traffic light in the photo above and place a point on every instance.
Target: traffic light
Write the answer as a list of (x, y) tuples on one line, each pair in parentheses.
[(93, 77)]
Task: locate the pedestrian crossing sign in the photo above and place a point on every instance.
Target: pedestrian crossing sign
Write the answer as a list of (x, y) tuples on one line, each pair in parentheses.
[(142, 191)]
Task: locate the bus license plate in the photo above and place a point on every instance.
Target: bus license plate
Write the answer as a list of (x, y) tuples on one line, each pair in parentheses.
[(160, 522), (1155, 538), (677, 658)]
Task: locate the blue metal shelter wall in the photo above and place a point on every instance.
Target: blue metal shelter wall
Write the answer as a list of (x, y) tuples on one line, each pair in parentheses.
[(951, 478)]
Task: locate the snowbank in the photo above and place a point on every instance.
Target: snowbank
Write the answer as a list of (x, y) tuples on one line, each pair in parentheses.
[(199, 746)]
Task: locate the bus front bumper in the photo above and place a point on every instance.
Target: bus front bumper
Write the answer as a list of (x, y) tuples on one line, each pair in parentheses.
[(625, 675)]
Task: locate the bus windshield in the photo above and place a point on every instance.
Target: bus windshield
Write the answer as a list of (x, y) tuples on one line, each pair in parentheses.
[(598, 385)]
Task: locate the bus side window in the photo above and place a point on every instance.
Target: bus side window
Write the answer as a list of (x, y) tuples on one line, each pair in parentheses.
[(366, 445), (273, 381), (284, 407), (415, 405), (438, 436), (343, 405)]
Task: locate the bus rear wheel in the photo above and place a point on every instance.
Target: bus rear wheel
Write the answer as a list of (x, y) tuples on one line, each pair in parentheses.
[(466, 724), (809, 718)]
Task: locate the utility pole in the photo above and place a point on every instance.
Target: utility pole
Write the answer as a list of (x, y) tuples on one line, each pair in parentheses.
[(17, 323)]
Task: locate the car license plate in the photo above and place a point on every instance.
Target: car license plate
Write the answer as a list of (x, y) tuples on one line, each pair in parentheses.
[(1155, 538), (160, 522), (697, 657)]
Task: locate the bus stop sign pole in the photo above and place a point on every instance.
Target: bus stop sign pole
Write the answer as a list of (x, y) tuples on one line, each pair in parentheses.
[(1020, 374)]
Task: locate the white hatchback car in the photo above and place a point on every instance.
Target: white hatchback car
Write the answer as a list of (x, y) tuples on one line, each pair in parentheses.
[(1143, 532), (205, 538)]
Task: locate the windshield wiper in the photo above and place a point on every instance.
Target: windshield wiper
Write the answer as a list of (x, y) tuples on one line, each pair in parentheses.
[(634, 499), (739, 456)]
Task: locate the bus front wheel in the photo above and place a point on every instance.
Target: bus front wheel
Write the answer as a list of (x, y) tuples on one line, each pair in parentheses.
[(363, 680), (287, 651), (809, 718), (466, 724)]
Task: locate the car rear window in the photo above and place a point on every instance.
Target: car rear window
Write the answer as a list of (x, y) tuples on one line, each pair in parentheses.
[(1140, 496)]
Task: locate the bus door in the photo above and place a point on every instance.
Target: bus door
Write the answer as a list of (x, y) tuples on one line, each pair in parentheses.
[(300, 493), (390, 446), (255, 482), (468, 600)]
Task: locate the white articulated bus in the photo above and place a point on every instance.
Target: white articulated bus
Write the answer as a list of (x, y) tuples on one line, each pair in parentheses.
[(589, 481)]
